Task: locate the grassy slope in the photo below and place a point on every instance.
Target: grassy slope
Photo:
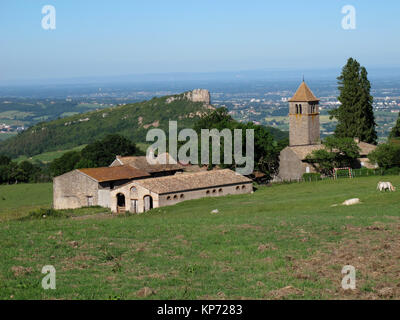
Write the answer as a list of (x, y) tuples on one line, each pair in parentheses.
[(47, 157), (256, 245), (17, 200)]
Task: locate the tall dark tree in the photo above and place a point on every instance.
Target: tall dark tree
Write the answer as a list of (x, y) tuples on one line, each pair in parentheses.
[(395, 133), (266, 149), (355, 115), (101, 153), (65, 163)]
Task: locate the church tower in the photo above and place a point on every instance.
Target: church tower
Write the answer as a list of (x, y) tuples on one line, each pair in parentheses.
[(303, 117)]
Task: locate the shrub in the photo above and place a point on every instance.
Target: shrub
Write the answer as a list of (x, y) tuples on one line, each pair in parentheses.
[(386, 155), (44, 214), (312, 176), (392, 171)]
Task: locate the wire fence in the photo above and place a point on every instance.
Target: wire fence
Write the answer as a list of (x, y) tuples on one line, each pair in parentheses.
[(345, 174)]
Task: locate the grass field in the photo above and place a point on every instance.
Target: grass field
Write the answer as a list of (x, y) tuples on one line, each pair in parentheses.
[(282, 242), (19, 199), (47, 157)]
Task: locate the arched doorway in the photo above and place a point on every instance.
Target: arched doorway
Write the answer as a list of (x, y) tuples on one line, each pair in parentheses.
[(120, 203), (148, 203)]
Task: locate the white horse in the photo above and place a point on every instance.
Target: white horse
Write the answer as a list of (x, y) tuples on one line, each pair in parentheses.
[(385, 186)]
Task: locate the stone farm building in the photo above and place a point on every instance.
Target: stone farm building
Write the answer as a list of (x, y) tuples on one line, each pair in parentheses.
[(145, 194), (304, 137), (131, 184)]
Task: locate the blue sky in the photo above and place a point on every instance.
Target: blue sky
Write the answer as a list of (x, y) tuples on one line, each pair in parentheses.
[(101, 38)]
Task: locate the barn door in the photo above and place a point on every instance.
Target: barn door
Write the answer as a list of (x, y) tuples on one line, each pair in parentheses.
[(134, 206), (148, 203)]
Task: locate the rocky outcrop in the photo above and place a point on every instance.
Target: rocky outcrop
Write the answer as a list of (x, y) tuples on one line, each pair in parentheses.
[(199, 95)]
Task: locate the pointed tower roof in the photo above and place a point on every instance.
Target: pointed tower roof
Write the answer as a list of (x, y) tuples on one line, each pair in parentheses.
[(303, 94)]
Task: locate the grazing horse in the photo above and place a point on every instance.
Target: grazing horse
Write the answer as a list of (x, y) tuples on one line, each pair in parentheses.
[(385, 186)]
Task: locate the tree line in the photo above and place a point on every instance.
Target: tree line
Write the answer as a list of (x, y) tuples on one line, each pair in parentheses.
[(97, 154)]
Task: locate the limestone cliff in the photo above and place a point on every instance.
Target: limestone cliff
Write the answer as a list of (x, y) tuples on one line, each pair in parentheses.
[(199, 95)]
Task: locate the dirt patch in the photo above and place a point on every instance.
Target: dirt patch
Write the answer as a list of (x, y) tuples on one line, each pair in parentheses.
[(284, 292), (249, 227), (145, 292), (266, 247), (374, 251), (20, 271), (155, 124)]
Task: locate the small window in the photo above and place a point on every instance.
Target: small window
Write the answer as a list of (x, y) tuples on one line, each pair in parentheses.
[(182, 196), (214, 191), (220, 190), (208, 192), (237, 188), (169, 198), (175, 197), (297, 108), (243, 187), (300, 109)]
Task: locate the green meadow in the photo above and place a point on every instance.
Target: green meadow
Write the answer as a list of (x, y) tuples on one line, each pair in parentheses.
[(287, 241), (47, 157)]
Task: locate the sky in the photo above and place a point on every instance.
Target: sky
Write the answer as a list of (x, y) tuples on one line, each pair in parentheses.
[(121, 37)]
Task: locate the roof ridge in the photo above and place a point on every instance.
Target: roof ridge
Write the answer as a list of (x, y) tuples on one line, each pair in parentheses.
[(303, 93)]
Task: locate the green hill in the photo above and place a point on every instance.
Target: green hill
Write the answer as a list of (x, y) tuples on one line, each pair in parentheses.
[(131, 120)]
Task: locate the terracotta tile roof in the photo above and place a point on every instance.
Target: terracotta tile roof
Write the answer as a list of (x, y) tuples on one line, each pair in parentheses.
[(140, 162), (193, 181), (303, 94), (303, 151), (366, 148), (114, 173)]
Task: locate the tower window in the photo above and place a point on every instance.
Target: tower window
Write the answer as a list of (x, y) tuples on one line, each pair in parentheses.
[(297, 108), (300, 109)]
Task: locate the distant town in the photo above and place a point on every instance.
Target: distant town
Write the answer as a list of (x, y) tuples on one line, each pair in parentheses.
[(262, 102)]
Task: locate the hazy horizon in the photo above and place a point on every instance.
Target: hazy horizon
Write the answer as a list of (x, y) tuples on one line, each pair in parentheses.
[(103, 39)]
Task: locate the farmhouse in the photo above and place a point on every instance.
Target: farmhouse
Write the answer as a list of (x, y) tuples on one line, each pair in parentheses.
[(132, 184), (304, 137), (145, 194), (91, 187)]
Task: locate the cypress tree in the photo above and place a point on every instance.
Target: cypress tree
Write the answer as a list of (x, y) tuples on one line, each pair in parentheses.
[(355, 114), (367, 124), (395, 133)]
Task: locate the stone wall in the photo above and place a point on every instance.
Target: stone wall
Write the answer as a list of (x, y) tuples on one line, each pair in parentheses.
[(71, 190), (129, 195), (291, 167), (173, 198)]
